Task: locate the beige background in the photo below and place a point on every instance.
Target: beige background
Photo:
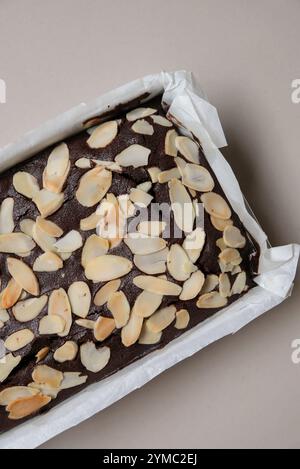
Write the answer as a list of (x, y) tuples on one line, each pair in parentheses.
[(244, 390)]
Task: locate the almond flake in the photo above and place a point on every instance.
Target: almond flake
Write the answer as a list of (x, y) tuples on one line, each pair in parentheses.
[(65, 256), (151, 264), (27, 310), (57, 169), (44, 374), (72, 379), (49, 227), (83, 163), (233, 237), (181, 164), (148, 337), (144, 186), (153, 173), (139, 113), (224, 285), (18, 340), (10, 294), (236, 270), (215, 205), (80, 298), (23, 275), (226, 267), (95, 246), (12, 243), (182, 206), (12, 393), (188, 148), (161, 319), (111, 165), (230, 256), (7, 364), (103, 135), (45, 389), (90, 222), (66, 352), (131, 332), (26, 226), (220, 224), (86, 323), (4, 316), (47, 262), (59, 306), (160, 120), (140, 198), (53, 324), (93, 186), (135, 155), (220, 244), (194, 243), (26, 184), (7, 224), (192, 286), (168, 175), (170, 147), (126, 206), (239, 284), (70, 242), (151, 228), (94, 359), (42, 239), (105, 292), (107, 267), (119, 307), (41, 354), (142, 244), (157, 285), (48, 202), (103, 328), (143, 127), (25, 406), (197, 177), (179, 265), (182, 319), (211, 300), (146, 304)]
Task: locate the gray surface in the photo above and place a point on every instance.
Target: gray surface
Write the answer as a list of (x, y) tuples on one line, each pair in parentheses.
[(244, 390)]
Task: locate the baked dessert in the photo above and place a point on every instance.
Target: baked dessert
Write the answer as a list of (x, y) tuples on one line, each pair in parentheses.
[(105, 256)]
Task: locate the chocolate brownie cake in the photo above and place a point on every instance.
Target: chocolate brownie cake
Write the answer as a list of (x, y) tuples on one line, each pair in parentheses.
[(113, 243)]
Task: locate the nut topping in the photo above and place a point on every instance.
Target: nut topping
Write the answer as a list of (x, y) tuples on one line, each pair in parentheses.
[(216, 206), (7, 224), (182, 206), (26, 184), (95, 246), (230, 256), (108, 267), (233, 237), (90, 223), (170, 147), (161, 319), (94, 359), (48, 202), (12, 393), (182, 319), (148, 337), (86, 323), (105, 292), (146, 304), (119, 307), (131, 332), (43, 374), (151, 228), (157, 285), (135, 155), (224, 285), (179, 264), (57, 169), (93, 186), (41, 354), (59, 306), (7, 364), (142, 244), (47, 262), (53, 324), (188, 148), (72, 379), (103, 328), (16, 243), (142, 127), (192, 286), (103, 135), (23, 275), (153, 173), (10, 294), (80, 298), (42, 239), (27, 310), (197, 177), (211, 300), (70, 242), (83, 163), (239, 284), (139, 113), (49, 227), (151, 264), (25, 406), (168, 175), (18, 340), (220, 224), (160, 120), (66, 352), (26, 225), (194, 243), (140, 197)]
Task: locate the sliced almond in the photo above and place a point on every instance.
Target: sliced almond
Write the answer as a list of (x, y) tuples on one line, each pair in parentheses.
[(226, 267), (26, 184), (27, 310), (12, 393), (161, 319), (220, 244), (41, 354), (44, 374), (18, 340), (211, 300), (59, 306), (108, 267), (126, 206), (131, 332), (83, 163), (170, 147), (168, 175), (197, 177), (230, 256), (105, 292), (42, 239), (119, 307), (112, 223), (220, 224), (93, 186), (10, 294), (146, 304), (143, 127), (25, 406), (103, 135), (90, 222), (4, 316), (15, 243), (188, 148), (135, 155), (233, 237), (145, 186), (216, 206), (86, 323), (80, 298), (179, 264), (26, 225), (7, 223), (72, 379), (48, 202), (65, 255), (103, 328), (192, 286), (23, 275), (224, 285), (95, 246), (66, 352), (7, 364), (57, 169), (111, 165), (140, 197), (148, 337), (194, 243), (182, 319), (142, 244), (151, 228), (181, 164), (157, 285), (53, 324), (49, 227), (45, 389), (94, 359), (139, 113), (182, 206), (193, 194), (70, 242), (47, 262), (151, 264), (239, 284), (153, 173), (236, 270), (160, 120)]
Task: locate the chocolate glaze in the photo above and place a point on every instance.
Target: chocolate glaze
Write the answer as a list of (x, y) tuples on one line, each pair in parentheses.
[(68, 218)]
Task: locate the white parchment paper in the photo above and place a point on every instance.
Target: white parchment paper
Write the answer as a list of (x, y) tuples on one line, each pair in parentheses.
[(277, 269)]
